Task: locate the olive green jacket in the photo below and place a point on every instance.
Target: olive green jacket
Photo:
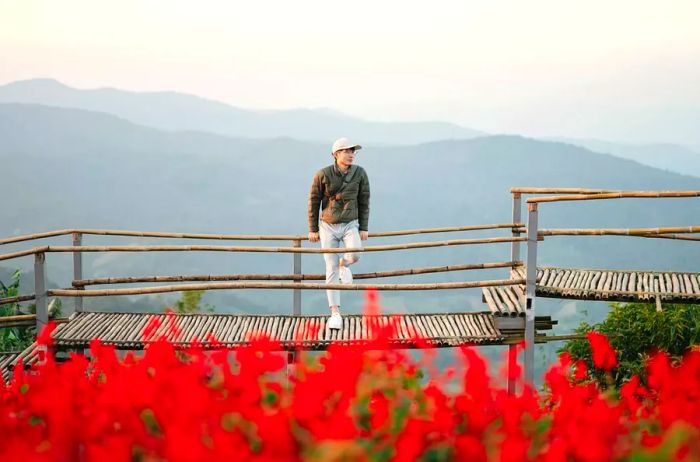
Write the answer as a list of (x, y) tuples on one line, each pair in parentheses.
[(352, 202)]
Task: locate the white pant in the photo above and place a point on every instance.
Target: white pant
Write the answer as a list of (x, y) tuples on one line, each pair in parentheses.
[(331, 234)]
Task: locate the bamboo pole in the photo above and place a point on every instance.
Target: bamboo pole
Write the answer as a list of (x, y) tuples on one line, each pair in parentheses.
[(510, 340), (224, 237), (24, 320), (9, 324), (558, 338), (29, 237), (448, 229), (615, 195), (222, 248), (280, 285), (23, 253), (16, 298), (17, 317), (526, 190), (673, 236), (644, 232), (277, 277)]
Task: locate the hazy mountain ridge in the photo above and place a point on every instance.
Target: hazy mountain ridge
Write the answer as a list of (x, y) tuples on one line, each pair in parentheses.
[(177, 111), (667, 156), (183, 112)]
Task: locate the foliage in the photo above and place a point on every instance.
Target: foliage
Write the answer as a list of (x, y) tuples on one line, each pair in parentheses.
[(636, 330), (13, 338), (190, 303), (354, 403)]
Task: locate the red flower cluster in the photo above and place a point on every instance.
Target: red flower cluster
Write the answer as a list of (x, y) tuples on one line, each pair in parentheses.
[(604, 356), (365, 403)]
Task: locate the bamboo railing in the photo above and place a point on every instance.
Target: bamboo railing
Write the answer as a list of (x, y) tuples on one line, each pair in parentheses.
[(534, 234), (643, 232), (245, 281), (24, 320), (295, 277), (614, 195), (223, 248), (281, 285), (16, 299), (81, 283), (525, 190), (241, 237)]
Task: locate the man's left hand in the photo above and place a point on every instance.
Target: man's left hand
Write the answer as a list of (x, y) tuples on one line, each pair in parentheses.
[(364, 235)]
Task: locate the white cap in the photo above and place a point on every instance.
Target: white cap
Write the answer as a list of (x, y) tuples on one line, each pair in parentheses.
[(344, 143)]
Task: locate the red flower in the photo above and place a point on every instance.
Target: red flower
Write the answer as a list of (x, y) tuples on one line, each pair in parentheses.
[(604, 356), (348, 403)]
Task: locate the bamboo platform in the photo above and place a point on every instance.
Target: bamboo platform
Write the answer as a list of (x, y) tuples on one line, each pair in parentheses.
[(595, 284), (125, 330), (7, 361), (505, 301), (618, 285)]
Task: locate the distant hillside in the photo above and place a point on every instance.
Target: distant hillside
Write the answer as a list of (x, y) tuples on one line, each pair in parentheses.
[(666, 156), (177, 111)]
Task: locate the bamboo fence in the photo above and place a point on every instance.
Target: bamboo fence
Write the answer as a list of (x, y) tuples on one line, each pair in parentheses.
[(614, 195), (222, 248), (295, 277), (24, 320), (280, 285), (525, 190), (16, 299), (242, 237), (644, 232)]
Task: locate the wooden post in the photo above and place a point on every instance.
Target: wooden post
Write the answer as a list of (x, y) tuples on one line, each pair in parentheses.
[(517, 216), (512, 364), (514, 256), (530, 288), (296, 306), (42, 312), (297, 271), (78, 269)]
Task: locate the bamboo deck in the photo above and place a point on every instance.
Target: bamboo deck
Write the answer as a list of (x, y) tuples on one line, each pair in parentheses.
[(7, 361), (595, 284), (125, 330)]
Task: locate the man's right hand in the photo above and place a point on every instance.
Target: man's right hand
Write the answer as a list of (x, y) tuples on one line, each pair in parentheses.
[(313, 237)]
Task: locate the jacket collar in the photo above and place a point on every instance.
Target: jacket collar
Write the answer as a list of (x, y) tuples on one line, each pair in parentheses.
[(337, 170)]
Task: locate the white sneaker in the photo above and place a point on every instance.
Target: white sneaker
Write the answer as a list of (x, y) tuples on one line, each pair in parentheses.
[(345, 275), (335, 321)]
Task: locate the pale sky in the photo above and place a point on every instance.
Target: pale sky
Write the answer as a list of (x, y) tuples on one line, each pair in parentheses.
[(618, 70)]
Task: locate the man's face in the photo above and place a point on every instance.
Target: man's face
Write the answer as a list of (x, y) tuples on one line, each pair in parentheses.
[(345, 156)]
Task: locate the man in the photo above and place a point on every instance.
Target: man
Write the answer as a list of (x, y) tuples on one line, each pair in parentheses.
[(342, 191)]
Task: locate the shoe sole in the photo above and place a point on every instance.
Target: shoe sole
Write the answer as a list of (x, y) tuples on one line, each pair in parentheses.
[(343, 280)]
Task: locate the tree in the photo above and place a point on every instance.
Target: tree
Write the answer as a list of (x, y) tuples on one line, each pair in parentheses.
[(13, 338), (19, 338), (636, 330), (189, 302)]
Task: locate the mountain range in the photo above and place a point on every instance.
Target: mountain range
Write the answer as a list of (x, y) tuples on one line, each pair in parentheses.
[(178, 111), (174, 111)]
